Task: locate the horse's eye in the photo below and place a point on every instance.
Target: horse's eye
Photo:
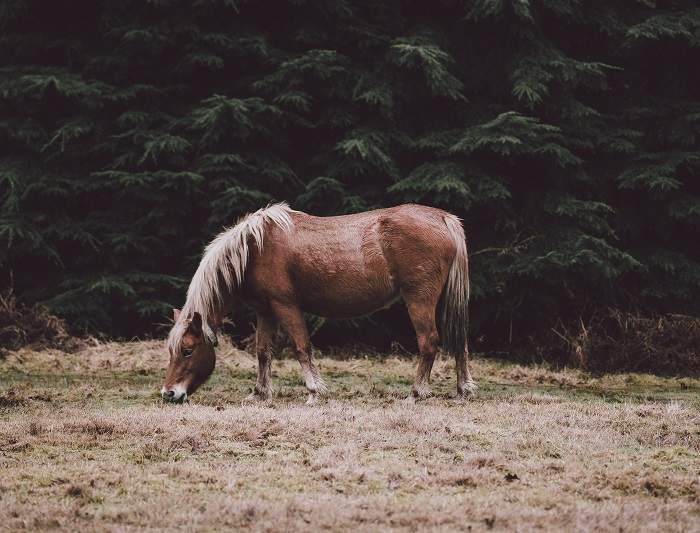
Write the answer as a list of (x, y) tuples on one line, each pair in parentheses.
[(187, 352)]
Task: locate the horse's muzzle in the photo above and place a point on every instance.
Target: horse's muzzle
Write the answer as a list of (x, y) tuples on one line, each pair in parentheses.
[(173, 395)]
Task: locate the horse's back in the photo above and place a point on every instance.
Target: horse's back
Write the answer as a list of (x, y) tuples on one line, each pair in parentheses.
[(350, 265), (394, 238)]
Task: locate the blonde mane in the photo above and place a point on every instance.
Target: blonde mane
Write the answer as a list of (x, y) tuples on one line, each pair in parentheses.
[(225, 259)]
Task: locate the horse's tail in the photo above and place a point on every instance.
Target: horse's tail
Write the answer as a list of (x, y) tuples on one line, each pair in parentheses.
[(455, 296)]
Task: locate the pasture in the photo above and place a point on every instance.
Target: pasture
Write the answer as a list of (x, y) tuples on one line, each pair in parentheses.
[(87, 444)]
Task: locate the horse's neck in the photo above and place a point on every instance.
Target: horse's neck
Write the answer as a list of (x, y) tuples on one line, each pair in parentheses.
[(222, 309)]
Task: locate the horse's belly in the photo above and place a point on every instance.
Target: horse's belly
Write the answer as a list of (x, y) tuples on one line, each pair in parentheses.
[(344, 288), (340, 270), (346, 298)]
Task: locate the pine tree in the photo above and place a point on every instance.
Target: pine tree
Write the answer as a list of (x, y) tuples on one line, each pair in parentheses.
[(566, 134)]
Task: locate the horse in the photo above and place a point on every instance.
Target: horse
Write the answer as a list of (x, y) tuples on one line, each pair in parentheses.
[(284, 263)]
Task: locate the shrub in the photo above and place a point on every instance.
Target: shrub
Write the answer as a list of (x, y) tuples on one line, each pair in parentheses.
[(615, 340), (21, 325)]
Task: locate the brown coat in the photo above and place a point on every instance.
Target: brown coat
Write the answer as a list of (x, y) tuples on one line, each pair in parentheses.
[(284, 263)]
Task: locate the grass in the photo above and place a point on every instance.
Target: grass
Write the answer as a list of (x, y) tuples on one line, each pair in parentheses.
[(85, 443)]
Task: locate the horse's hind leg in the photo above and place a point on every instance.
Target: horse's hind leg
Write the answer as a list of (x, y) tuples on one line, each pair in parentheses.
[(264, 335), (422, 313), (465, 383), (292, 321)]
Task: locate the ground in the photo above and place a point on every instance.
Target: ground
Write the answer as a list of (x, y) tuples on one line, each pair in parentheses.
[(86, 443)]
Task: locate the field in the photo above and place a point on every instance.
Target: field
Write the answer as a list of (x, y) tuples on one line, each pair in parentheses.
[(86, 444)]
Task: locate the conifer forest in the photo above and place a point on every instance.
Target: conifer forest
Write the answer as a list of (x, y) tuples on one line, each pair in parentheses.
[(565, 134)]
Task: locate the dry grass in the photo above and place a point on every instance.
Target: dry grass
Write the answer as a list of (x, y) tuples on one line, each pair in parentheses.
[(85, 444)]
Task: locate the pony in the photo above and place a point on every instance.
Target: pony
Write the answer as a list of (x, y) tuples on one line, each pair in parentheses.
[(284, 263)]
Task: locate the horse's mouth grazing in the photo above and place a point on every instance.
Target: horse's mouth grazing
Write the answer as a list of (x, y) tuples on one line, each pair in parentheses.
[(175, 395)]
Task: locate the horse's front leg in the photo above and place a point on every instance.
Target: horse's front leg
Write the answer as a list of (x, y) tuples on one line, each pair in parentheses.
[(264, 335), (292, 321)]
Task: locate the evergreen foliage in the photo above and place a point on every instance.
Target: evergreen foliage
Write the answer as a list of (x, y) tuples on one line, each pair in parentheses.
[(565, 133)]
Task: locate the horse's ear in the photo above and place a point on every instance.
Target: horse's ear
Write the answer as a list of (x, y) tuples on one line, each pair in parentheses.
[(176, 314), (196, 322)]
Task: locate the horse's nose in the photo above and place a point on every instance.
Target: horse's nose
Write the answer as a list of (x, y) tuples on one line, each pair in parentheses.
[(167, 394)]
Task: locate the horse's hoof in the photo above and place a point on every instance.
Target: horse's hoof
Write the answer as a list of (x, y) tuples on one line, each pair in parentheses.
[(321, 387), (312, 399), (467, 391), (255, 397), (419, 394)]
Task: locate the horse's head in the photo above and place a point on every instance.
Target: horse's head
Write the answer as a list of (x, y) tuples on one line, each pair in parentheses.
[(192, 358)]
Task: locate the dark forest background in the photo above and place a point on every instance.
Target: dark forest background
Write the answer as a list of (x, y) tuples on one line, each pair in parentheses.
[(565, 133)]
